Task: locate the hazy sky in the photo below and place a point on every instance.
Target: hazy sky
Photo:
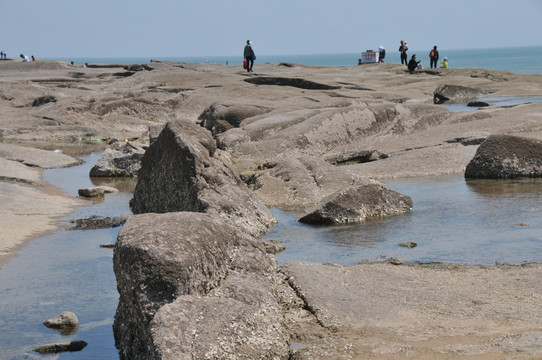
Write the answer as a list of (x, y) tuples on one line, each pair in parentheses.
[(137, 28)]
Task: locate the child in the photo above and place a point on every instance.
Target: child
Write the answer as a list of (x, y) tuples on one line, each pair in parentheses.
[(445, 63)]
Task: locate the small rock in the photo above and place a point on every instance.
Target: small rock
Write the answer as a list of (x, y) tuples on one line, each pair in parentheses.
[(395, 261), (408, 244), (77, 345), (91, 192), (273, 246), (65, 319)]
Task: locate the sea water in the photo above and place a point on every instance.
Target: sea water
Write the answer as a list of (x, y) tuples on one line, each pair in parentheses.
[(522, 60)]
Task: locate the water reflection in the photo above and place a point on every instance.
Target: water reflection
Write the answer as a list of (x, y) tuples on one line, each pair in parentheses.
[(453, 220)]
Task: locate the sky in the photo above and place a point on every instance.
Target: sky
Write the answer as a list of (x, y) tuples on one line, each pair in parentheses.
[(142, 28)]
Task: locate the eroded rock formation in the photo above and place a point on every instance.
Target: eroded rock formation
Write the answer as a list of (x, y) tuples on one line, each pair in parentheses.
[(506, 156)]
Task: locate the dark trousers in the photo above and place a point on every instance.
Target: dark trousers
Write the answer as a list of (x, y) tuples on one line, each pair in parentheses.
[(434, 62), (250, 63), (404, 58)]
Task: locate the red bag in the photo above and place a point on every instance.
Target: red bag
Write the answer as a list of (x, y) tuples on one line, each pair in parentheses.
[(245, 64)]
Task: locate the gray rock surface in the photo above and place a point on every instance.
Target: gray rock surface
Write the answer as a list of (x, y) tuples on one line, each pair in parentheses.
[(376, 311), (506, 156), (122, 161), (356, 204), (183, 171), (203, 268)]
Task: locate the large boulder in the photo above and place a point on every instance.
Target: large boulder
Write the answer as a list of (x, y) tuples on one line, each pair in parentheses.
[(356, 204), (122, 161), (192, 286), (506, 156), (183, 171), (454, 93)]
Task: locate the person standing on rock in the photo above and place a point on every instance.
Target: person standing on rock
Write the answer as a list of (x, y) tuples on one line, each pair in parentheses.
[(433, 57), (249, 56), (403, 50)]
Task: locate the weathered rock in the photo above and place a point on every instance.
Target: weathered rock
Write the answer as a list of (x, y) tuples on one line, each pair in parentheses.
[(506, 156), (97, 222), (91, 192), (301, 183), (183, 171), (357, 203), (122, 162), (240, 320), (220, 117), (77, 345), (194, 262), (65, 319), (454, 93), (352, 157), (273, 246)]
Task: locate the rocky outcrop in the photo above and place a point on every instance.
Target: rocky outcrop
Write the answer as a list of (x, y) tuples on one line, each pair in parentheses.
[(356, 204), (192, 286), (119, 161), (454, 93), (220, 117), (183, 171), (506, 156)]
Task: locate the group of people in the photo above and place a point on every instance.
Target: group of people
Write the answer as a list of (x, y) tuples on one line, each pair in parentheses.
[(414, 63), (3, 55), (25, 58)]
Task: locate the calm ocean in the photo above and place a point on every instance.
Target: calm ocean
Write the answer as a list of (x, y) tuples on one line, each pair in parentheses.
[(523, 60)]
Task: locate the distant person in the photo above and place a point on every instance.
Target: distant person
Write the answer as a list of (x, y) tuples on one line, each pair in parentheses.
[(249, 56), (403, 48), (1, 54), (413, 64), (359, 62), (433, 57), (444, 63), (33, 58), (381, 54), (25, 58)]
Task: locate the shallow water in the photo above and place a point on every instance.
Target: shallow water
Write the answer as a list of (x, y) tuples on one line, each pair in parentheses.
[(504, 101), (66, 270), (453, 220)]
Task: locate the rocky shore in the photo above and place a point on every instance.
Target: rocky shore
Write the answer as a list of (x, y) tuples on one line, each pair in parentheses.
[(221, 147)]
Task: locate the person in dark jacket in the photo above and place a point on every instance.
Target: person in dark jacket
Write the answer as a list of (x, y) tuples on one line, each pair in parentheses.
[(413, 64), (433, 56), (249, 56), (403, 50)]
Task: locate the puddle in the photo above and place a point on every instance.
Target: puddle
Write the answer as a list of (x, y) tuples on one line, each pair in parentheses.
[(453, 220), (66, 270), (496, 101)]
